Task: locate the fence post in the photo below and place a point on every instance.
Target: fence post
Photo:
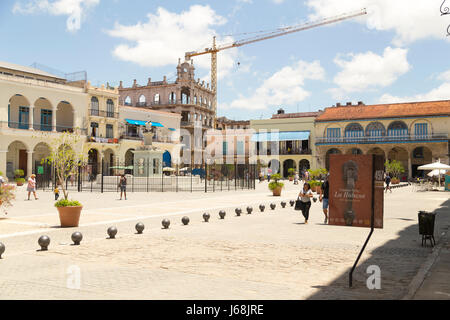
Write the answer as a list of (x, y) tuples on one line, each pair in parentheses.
[(176, 175), (79, 177), (103, 163), (206, 178)]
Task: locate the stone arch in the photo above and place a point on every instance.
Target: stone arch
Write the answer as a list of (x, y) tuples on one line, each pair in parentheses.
[(402, 155), (353, 130), (419, 156), (19, 112), (327, 156), (156, 98), (354, 151), (185, 95), (43, 114), (377, 151), (416, 121), (127, 101), (17, 158), (397, 129), (375, 129), (304, 164), (287, 164), (64, 117)]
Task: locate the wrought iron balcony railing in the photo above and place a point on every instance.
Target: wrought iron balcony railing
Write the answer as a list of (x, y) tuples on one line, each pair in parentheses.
[(382, 139), (102, 113)]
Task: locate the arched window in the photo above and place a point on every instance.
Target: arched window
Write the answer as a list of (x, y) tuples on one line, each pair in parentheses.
[(110, 108), (156, 98), (94, 106), (209, 103), (142, 101), (374, 130), (195, 99), (354, 130), (206, 101), (172, 97), (398, 129), (200, 100), (185, 96), (127, 101)]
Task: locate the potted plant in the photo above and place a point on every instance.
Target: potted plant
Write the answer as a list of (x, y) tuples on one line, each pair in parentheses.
[(291, 172), (315, 185), (395, 168), (275, 186), (66, 161), (18, 177)]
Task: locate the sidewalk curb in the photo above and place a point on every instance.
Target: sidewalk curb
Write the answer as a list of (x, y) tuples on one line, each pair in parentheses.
[(419, 278)]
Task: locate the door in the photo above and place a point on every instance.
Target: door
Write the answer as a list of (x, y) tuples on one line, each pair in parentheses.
[(46, 120), (23, 161), (23, 117)]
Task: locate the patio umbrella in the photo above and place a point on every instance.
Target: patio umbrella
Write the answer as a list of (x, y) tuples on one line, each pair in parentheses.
[(435, 166), (168, 169), (436, 172)]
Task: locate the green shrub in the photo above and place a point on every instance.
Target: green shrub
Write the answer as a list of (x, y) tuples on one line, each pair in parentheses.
[(67, 203), (18, 173), (275, 183), (291, 172), (20, 180), (315, 183)]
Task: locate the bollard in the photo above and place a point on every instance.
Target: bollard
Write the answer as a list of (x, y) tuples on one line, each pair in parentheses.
[(185, 220), (76, 238), (249, 210), (314, 199), (262, 207), (292, 202), (140, 227), (206, 216), (112, 231), (222, 214), (283, 204), (2, 249), (238, 211), (273, 206), (44, 242), (166, 223)]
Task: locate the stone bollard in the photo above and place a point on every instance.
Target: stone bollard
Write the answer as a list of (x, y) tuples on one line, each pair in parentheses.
[(76, 238), (185, 220), (2, 249), (139, 227), (44, 242), (206, 216), (112, 231), (262, 207), (283, 204), (292, 202), (273, 206), (249, 210), (166, 223), (222, 214), (238, 211)]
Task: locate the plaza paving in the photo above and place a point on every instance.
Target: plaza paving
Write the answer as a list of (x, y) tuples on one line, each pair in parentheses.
[(269, 255)]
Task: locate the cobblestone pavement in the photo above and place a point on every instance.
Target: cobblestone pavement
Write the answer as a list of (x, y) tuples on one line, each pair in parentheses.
[(269, 255)]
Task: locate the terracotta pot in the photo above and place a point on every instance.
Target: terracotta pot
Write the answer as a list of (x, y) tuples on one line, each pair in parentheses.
[(69, 216), (291, 178), (277, 191), (19, 184)]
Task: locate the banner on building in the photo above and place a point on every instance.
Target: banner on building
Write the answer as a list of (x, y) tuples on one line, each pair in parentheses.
[(356, 190)]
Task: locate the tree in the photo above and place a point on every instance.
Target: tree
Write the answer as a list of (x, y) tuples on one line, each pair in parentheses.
[(64, 158), (394, 167)]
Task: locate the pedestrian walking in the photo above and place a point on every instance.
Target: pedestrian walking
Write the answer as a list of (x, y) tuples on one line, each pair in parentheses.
[(32, 186), (387, 180), (296, 178), (306, 176), (261, 176), (123, 186), (305, 196), (324, 195), (56, 192)]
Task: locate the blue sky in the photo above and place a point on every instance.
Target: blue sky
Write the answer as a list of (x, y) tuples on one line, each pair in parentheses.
[(398, 52)]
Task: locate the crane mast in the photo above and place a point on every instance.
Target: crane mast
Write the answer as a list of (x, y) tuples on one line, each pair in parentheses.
[(270, 35)]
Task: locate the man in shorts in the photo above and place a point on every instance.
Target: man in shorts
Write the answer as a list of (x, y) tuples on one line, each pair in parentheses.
[(324, 195)]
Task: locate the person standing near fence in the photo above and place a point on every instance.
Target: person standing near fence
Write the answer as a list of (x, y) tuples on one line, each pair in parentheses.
[(32, 186), (123, 186)]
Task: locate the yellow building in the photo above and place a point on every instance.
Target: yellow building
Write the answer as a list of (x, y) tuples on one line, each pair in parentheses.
[(291, 147), (412, 133)]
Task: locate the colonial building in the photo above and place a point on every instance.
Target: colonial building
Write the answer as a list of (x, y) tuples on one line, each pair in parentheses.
[(413, 133), (286, 141), (191, 99)]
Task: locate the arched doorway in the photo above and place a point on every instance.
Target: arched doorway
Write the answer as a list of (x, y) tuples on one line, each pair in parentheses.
[(274, 166), (420, 156), (64, 117), (108, 159), (400, 154), (17, 158), (327, 157), (167, 159), (288, 164), (93, 167), (377, 151), (304, 165), (42, 168), (354, 151), (129, 161)]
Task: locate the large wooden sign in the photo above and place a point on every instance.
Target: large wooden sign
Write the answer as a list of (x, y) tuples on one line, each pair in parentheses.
[(356, 190)]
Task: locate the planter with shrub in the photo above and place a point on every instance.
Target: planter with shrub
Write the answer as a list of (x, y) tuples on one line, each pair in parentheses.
[(275, 186), (315, 185), (291, 172), (18, 177)]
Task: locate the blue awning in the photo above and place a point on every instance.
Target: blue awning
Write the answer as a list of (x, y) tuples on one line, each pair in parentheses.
[(280, 136), (156, 124), (172, 129), (136, 122)]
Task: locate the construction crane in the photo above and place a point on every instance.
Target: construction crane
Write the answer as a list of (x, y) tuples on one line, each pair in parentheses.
[(269, 35)]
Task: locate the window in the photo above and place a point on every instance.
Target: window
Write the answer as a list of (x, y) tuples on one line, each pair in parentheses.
[(156, 98), (172, 97), (109, 131), (200, 100), (398, 129), (224, 148), (421, 129), (94, 106), (127, 101), (195, 99), (142, 101), (94, 129), (46, 120), (333, 133), (23, 117), (418, 153), (110, 108), (354, 130), (155, 166), (240, 148)]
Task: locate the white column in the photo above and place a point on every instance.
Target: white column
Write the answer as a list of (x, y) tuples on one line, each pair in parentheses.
[(54, 119), (409, 167), (3, 161), (29, 163), (31, 118)]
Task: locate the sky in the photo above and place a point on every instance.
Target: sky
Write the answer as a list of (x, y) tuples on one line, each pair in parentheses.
[(398, 52)]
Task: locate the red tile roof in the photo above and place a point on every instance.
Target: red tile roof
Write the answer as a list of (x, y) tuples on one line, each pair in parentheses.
[(394, 110)]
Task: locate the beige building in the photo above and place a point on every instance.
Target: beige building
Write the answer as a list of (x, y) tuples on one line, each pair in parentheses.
[(412, 133), (286, 141)]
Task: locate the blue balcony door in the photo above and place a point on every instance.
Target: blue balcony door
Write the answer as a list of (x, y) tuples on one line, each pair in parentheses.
[(46, 120), (24, 113)]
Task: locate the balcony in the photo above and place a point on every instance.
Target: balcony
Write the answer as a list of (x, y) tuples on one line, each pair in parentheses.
[(102, 140), (383, 139), (40, 127), (104, 114), (294, 151)]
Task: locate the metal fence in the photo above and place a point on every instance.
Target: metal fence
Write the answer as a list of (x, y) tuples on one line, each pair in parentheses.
[(143, 177)]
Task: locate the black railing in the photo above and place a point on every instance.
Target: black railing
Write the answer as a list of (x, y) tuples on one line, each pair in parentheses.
[(41, 127), (102, 113), (387, 139)]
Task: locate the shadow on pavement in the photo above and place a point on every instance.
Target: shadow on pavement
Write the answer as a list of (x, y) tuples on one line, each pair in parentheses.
[(399, 261)]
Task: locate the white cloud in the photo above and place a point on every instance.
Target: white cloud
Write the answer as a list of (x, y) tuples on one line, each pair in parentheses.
[(166, 36), (74, 9), (440, 93), (277, 1), (366, 71), (411, 20), (285, 87), (445, 76)]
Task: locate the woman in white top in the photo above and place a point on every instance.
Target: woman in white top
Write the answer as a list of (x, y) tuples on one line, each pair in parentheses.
[(32, 186), (305, 197)]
